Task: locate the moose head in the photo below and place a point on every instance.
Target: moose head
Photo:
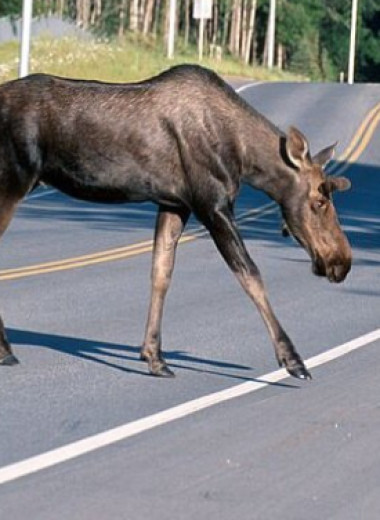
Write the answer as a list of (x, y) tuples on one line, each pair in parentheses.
[(309, 211)]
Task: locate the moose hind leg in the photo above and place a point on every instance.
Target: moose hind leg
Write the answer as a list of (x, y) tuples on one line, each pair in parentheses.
[(7, 358), (169, 226), (227, 238)]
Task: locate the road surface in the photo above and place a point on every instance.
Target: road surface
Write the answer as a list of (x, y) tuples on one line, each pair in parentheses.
[(230, 436)]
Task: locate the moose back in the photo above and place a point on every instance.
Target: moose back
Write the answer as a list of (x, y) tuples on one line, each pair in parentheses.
[(185, 141)]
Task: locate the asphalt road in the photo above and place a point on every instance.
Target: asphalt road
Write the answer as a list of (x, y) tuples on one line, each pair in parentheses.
[(288, 450)]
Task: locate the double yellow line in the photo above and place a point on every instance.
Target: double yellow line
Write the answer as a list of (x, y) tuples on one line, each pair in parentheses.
[(356, 147), (359, 142), (79, 261), (119, 253)]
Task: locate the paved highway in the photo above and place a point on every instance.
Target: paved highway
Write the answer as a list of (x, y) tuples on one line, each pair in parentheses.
[(230, 436)]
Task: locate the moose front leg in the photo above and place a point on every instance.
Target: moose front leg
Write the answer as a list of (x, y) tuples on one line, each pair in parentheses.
[(169, 226), (230, 244)]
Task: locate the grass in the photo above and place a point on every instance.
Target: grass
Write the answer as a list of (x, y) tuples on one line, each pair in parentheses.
[(119, 61)]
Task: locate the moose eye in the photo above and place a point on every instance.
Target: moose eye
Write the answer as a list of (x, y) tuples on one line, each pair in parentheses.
[(319, 204)]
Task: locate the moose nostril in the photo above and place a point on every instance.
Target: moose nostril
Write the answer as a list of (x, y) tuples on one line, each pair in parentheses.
[(339, 272), (319, 267)]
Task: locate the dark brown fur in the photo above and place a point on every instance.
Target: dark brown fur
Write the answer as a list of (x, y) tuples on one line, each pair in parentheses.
[(186, 141)]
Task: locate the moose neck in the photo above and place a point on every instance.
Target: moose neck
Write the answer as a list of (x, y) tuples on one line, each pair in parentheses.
[(265, 167)]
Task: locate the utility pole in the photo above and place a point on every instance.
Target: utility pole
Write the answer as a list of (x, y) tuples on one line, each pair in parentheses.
[(171, 35), (27, 9), (271, 33), (351, 59), (201, 32)]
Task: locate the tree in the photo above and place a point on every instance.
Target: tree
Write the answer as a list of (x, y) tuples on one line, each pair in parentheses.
[(10, 7), (312, 36), (250, 30), (368, 61)]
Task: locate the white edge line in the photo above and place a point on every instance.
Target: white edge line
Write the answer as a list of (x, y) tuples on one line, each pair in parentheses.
[(101, 440), (247, 86)]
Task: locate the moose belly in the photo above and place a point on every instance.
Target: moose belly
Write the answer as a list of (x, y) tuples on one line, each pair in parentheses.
[(108, 182)]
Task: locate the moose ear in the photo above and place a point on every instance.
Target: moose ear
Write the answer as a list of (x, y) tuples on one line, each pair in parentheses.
[(335, 183), (325, 155), (341, 183), (297, 148)]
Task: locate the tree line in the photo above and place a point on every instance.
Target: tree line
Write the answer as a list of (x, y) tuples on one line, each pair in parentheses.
[(312, 36)]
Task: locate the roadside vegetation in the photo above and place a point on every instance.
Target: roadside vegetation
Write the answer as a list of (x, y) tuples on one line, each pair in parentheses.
[(120, 60), (312, 36)]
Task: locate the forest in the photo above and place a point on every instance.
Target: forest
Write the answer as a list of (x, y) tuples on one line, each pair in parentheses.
[(312, 36)]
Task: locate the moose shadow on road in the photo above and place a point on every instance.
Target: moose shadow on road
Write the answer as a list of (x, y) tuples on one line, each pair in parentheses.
[(118, 357), (359, 211)]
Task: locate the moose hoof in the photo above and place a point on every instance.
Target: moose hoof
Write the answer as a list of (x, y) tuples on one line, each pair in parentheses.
[(161, 371), (294, 366), (9, 360), (300, 372), (157, 365)]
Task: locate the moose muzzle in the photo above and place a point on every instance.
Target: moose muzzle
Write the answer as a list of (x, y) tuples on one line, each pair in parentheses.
[(334, 270)]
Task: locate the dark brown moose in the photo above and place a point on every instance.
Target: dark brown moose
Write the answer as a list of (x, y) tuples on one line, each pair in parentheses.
[(186, 141)]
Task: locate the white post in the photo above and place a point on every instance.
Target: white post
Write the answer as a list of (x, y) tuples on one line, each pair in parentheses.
[(202, 10), (271, 33), (27, 9), (201, 33), (351, 59), (171, 36)]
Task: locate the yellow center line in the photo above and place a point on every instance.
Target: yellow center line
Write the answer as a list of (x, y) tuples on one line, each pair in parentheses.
[(356, 147), (363, 145), (119, 253), (366, 138), (34, 270), (98, 255), (349, 155), (52, 267)]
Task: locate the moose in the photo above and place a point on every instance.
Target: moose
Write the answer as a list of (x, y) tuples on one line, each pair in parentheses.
[(185, 141)]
